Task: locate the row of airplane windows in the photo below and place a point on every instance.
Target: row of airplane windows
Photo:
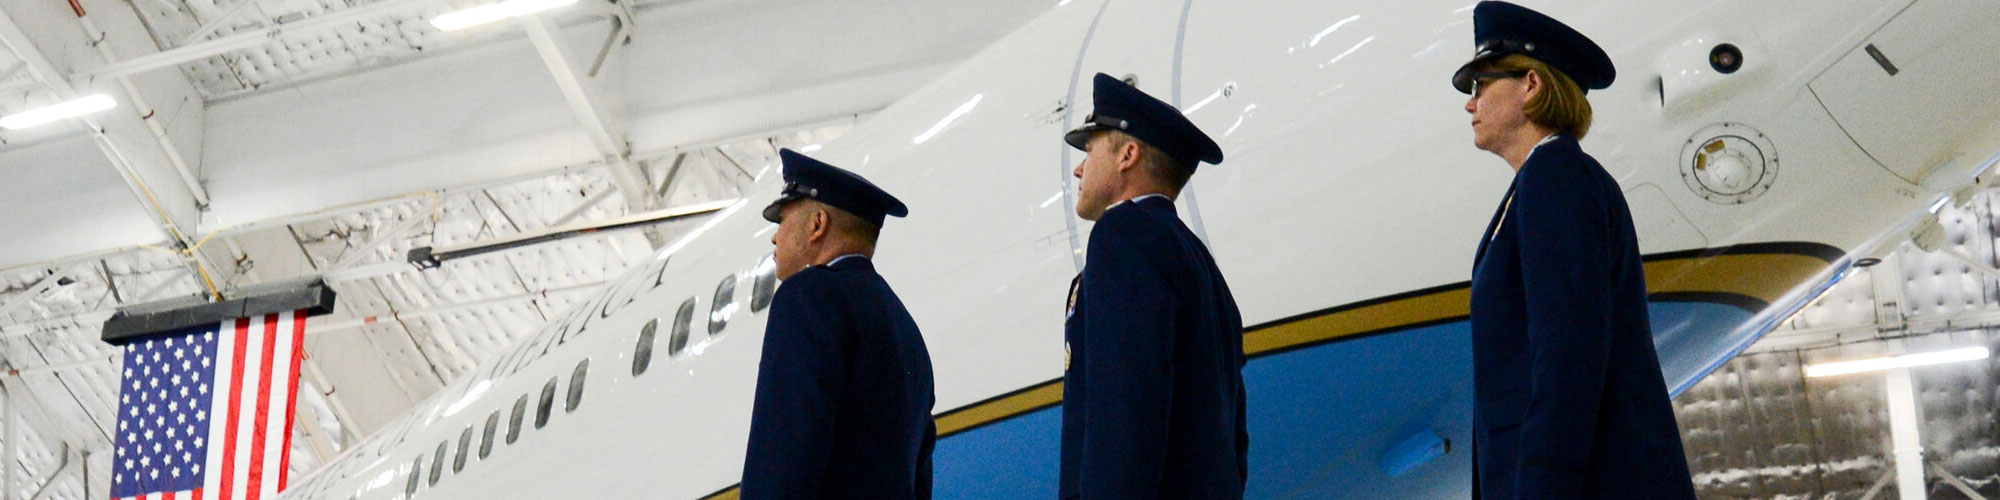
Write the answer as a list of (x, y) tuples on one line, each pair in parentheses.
[(764, 285)]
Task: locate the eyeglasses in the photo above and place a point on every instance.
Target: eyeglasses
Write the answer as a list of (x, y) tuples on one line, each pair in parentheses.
[(1479, 79)]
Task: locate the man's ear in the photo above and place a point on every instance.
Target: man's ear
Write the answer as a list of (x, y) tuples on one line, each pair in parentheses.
[(818, 225), (1128, 155)]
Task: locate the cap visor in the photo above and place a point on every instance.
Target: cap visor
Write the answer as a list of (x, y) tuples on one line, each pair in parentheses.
[(776, 210), (1462, 80), (1080, 137)]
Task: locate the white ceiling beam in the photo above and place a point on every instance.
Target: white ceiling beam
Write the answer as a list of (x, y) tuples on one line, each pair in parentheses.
[(584, 102), (174, 218), (227, 16), (26, 297), (313, 329), (145, 110), (382, 237), (250, 39)]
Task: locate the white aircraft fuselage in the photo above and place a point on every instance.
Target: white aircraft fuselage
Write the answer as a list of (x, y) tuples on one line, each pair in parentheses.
[(1345, 220)]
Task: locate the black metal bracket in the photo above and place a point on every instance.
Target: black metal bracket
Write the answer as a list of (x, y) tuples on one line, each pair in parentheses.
[(146, 321)]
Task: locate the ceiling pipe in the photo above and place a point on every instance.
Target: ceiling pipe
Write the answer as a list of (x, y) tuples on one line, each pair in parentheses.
[(146, 112), (38, 65)]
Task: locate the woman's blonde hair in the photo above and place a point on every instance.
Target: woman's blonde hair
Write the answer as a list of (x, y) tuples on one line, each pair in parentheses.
[(1560, 105)]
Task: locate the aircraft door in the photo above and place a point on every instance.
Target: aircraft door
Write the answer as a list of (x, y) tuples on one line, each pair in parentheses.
[(1914, 93)]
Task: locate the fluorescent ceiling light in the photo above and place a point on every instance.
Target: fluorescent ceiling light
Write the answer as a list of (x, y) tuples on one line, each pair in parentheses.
[(76, 107), (466, 18), (1904, 361)]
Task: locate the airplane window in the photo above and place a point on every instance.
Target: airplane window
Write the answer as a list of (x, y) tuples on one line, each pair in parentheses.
[(764, 283), (437, 463), (416, 474), (514, 423), (576, 386), (683, 320), (548, 402), (642, 354), (723, 306), (486, 441), (464, 441)]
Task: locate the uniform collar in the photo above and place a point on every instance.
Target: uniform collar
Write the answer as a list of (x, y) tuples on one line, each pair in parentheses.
[(1538, 146), (1136, 199), (836, 260)]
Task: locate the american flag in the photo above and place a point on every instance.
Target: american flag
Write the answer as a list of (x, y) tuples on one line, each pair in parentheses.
[(225, 388)]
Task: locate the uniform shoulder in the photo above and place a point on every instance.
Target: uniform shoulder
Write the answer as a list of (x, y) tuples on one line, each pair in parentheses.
[(813, 281), (1563, 167), (1134, 219)]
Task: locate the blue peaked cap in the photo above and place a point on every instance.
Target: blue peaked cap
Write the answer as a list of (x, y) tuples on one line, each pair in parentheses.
[(1121, 107), (1500, 29), (807, 178)]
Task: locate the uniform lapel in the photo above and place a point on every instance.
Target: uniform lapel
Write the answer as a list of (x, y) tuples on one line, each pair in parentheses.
[(1493, 228)]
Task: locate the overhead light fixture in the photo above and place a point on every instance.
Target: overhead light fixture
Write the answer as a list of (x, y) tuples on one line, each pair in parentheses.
[(466, 18), (75, 107), (1904, 361)]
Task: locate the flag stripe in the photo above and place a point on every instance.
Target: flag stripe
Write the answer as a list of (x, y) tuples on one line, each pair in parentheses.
[(274, 421), (292, 403), (225, 341), (244, 424), (228, 471), (262, 426)]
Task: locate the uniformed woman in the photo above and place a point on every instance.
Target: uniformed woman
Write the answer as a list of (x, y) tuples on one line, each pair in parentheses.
[(1569, 402)]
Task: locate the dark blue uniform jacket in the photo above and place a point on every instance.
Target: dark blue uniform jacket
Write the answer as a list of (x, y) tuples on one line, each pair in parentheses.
[(844, 393), (1569, 402), (1153, 396)]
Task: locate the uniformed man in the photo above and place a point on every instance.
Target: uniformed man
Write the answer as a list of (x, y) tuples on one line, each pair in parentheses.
[(1569, 402), (844, 395), (1153, 394)]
